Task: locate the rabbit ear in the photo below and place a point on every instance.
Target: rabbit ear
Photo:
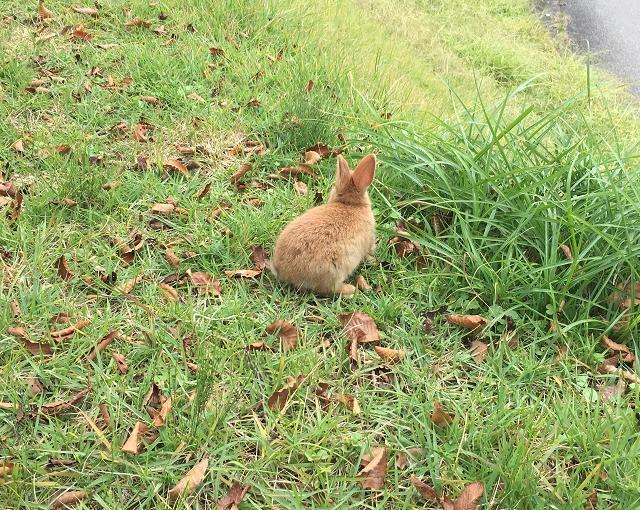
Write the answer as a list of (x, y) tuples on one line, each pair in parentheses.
[(343, 174), (363, 174)]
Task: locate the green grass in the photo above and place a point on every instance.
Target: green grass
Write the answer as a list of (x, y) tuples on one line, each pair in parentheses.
[(511, 182)]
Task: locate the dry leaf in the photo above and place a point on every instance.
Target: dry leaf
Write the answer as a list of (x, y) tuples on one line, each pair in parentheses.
[(259, 257), (87, 11), (362, 284), (175, 165), (54, 408), (389, 355), (17, 207), (278, 400), (34, 384), (608, 392), (567, 251), (67, 499), (258, 346), (479, 351), (471, 322), (106, 340), (309, 86), (129, 285), (172, 258), (204, 283), (141, 132), (243, 273), (121, 362), (135, 438), (111, 185), (161, 416), (244, 168), (324, 150), (191, 480), (18, 146), (15, 309), (169, 292), (439, 416), (163, 209), (139, 23), (68, 332), (234, 497), (216, 51), (287, 333), (375, 470), (33, 347), (297, 170), (360, 327), (68, 202), (152, 100), (63, 268), (300, 187), (468, 499), (80, 33), (311, 157), (43, 12), (617, 348), (104, 412), (8, 189), (6, 468), (592, 501), (425, 490), (350, 401)]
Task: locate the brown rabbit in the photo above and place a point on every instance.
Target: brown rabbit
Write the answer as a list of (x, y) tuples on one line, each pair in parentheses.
[(321, 248)]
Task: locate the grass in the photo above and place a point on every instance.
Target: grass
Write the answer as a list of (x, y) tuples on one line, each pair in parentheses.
[(509, 182)]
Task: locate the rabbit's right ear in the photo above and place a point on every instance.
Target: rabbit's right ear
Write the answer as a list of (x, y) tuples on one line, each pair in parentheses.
[(343, 174)]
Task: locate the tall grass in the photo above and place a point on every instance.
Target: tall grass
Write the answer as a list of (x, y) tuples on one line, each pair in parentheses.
[(492, 199)]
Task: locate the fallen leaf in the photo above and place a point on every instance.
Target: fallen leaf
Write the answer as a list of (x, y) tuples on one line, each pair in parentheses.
[(106, 340), (175, 165), (67, 499), (243, 273), (121, 362), (68, 202), (54, 408), (33, 347), (471, 322), (34, 384), (359, 327), (169, 292), (17, 207), (389, 355), (163, 209), (362, 284), (111, 185), (311, 157), (592, 501), (86, 11), (258, 346), (8, 189), (300, 187), (309, 86), (59, 318), (324, 150), (302, 169), (204, 191), (191, 480), (104, 412), (68, 332), (279, 398), (479, 351), (244, 168), (15, 308), (254, 103), (425, 490), (609, 392), (216, 51), (194, 96), (626, 295), (567, 251), (63, 149), (141, 132), (375, 470), (80, 33), (350, 401), (43, 12), (468, 499), (129, 285), (6, 468), (617, 348), (234, 497), (287, 333), (18, 146), (138, 23), (205, 283), (152, 100), (172, 258), (439, 416), (132, 444), (142, 162), (161, 416), (259, 257)]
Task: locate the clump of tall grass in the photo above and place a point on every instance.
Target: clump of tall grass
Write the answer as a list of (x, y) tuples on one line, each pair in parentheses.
[(493, 200)]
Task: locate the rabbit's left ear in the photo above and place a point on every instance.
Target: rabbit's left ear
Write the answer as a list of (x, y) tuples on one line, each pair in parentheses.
[(363, 174), (343, 174)]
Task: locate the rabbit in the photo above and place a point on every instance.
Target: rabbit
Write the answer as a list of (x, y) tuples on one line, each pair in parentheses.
[(318, 250)]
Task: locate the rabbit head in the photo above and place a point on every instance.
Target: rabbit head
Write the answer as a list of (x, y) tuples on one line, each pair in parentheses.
[(351, 187)]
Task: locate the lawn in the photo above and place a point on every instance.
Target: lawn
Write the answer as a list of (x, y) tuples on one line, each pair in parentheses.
[(149, 150)]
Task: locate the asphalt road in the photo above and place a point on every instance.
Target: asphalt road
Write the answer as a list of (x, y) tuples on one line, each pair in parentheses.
[(610, 30)]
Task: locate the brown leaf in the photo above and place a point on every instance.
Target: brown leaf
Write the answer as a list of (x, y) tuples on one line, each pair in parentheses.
[(172, 258), (439, 416), (311, 157), (243, 273), (87, 11), (362, 284), (141, 131), (425, 490), (129, 285), (6, 468), (80, 33), (279, 398), (234, 497), (350, 401), (204, 191), (17, 207), (15, 308), (567, 251), (8, 189), (258, 346), (169, 292), (63, 268), (111, 185), (300, 187), (204, 283), (34, 384), (121, 362), (389, 355), (309, 86), (104, 412), (163, 209), (161, 416), (152, 100), (592, 501), (175, 165), (132, 444), (617, 348), (609, 392), (259, 257), (375, 470), (68, 202), (68, 332), (479, 351), (216, 51), (194, 96), (67, 499), (191, 480), (287, 333), (468, 499), (360, 327), (254, 103), (139, 23), (302, 169), (33, 347), (18, 146), (324, 150), (471, 322), (106, 340), (244, 168), (142, 162), (43, 12), (624, 293), (54, 408)]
